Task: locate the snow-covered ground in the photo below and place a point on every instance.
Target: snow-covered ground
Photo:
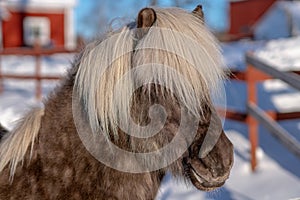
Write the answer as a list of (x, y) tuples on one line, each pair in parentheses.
[(18, 95), (278, 173)]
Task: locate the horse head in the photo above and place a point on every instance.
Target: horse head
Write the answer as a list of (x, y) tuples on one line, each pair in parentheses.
[(147, 89)]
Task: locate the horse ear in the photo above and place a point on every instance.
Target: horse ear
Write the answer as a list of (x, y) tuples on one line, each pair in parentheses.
[(198, 12), (145, 20)]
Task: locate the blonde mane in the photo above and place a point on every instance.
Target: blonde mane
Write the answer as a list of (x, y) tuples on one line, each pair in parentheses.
[(15, 144), (178, 42)]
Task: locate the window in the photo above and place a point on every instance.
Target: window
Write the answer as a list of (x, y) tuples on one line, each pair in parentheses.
[(36, 30)]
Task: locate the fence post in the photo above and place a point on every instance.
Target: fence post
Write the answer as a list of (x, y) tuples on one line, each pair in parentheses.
[(251, 122), (38, 92), (253, 76)]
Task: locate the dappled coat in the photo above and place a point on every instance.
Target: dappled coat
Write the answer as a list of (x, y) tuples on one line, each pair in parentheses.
[(56, 152)]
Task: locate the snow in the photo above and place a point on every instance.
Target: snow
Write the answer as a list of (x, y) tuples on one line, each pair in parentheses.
[(270, 181), (234, 52), (18, 95), (53, 65), (268, 175), (278, 173), (283, 54)]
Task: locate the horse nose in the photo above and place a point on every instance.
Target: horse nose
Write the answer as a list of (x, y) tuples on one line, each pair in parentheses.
[(220, 159)]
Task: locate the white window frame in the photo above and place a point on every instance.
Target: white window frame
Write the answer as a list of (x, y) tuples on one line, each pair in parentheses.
[(42, 28)]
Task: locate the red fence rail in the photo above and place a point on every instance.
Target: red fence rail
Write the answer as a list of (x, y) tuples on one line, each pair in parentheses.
[(38, 53), (256, 72)]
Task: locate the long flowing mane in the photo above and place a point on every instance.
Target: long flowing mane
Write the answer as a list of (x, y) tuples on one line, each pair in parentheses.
[(170, 43), (15, 144)]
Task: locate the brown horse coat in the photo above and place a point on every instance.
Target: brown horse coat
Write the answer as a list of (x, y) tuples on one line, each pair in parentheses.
[(44, 158)]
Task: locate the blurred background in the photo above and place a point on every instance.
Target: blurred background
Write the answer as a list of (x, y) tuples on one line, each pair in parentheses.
[(260, 42)]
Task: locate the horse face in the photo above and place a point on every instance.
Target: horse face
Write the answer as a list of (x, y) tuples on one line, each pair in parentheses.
[(209, 156)]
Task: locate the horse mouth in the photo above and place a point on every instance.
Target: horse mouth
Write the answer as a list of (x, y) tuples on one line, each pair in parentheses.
[(201, 183)]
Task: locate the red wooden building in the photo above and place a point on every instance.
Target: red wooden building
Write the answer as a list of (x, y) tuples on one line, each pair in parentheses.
[(47, 22), (245, 13)]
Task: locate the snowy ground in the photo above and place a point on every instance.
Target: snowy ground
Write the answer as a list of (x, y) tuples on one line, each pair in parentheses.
[(278, 174)]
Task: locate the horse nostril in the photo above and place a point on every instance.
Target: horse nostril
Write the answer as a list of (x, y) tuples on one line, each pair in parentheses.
[(218, 171), (214, 173)]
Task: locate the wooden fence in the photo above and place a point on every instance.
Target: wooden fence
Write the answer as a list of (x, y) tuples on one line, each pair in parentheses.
[(258, 71), (38, 53)]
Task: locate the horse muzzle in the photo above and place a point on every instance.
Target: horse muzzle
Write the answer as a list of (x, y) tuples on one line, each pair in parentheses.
[(213, 170)]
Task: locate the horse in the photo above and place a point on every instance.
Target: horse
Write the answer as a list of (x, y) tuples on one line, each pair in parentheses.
[(136, 104)]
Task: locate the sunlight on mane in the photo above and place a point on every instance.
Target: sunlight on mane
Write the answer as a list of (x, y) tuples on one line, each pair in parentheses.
[(184, 45)]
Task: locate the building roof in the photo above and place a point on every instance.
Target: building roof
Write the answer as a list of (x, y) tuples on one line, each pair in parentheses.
[(282, 20)]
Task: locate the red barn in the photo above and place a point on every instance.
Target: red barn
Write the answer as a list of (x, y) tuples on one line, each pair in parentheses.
[(47, 22), (245, 13)]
